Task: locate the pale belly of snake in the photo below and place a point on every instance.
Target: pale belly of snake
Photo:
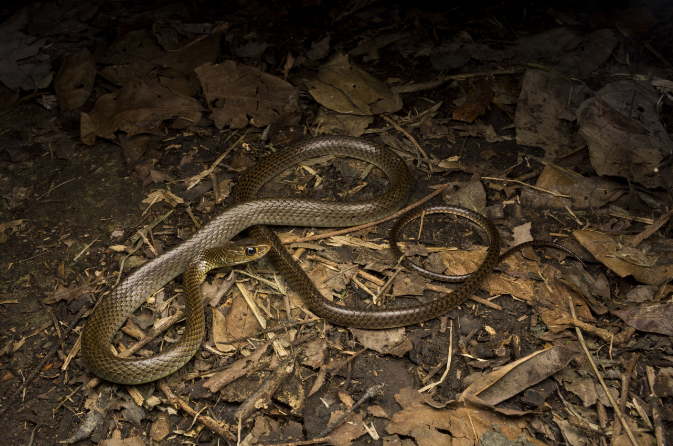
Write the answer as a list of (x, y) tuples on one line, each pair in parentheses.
[(115, 308)]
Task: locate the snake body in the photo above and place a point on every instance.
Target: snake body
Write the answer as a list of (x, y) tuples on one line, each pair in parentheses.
[(114, 308)]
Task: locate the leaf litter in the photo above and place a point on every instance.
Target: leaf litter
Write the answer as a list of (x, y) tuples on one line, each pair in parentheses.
[(571, 144)]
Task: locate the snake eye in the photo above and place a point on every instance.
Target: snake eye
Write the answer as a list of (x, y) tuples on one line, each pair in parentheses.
[(250, 251)]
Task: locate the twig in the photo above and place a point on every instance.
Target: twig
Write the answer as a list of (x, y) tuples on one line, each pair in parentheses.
[(348, 361), (41, 364), (410, 138), (448, 363), (626, 383), (262, 396), (367, 225), (198, 177), (303, 442), (55, 187), (209, 422), (370, 393), (657, 407), (281, 327), (600, 378), (386, 286), (527, 185), (413, 88)]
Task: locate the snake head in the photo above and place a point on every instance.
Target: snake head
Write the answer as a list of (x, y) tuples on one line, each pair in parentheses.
[(246, 250)]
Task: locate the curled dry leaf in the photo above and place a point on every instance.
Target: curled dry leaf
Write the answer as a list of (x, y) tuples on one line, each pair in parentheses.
[(135, 109), (583, 192), (654, 318), (431, 424), (476, 103), (344, 87), (74, 81), (239, 94), (625, 135), (516, 377), (651, 264)]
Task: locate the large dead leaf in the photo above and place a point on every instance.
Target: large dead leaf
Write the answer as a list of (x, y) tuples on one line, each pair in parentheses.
[(625, 135), (352, 125), (476, 103), (392, 340), (650, 263), (454, 424), (138, 56), (584, 192), (516, 377), (344, 87), (136, 109), (74, 80), (239, 322), (239, 94), (20, 64), (566, 51), (546, 109), (654, 318)]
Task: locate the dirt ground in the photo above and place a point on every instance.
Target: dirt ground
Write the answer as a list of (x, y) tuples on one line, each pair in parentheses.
[(125, 127)]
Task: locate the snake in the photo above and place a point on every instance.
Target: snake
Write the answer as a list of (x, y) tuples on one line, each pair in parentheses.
[(210, 247)]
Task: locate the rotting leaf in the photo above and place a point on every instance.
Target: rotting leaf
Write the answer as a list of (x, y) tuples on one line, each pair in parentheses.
[(545, 109), (516, 377), (428, 423), (349, 429), (239, 94), (381, 341), (344, 87), (583, 192), (653, 318), (566, 50), (240, 321), (616, 253), (633, 145), (476, 103), (135, 109), (353, 125), (74, 81)]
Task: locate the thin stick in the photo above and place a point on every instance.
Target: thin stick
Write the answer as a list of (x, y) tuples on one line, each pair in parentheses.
[(198, 177), (367, 225), (448, 363), (527, 185), (600, 378), (8, 402), (370, 393), (410, 138), (206, 420), (303, 442)]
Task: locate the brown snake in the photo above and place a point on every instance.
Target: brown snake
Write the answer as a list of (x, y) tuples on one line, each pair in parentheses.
[(113, 310)]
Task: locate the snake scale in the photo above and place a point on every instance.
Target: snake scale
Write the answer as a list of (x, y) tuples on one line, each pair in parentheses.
[(251, 213)]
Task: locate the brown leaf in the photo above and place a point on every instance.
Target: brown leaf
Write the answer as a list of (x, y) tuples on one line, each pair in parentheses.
[(74, 81), (649, 266), (343, 86), (136, 109), (476, 103), (513, 378), (236, 92), (653, 318), (160, 428), (616, 146), (240, 322)]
